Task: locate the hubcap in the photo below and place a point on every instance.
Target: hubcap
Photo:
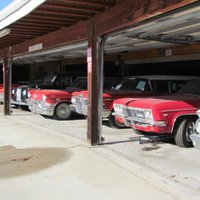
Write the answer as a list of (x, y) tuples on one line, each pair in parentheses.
[(190, 130), (120, 124), (63, 112)]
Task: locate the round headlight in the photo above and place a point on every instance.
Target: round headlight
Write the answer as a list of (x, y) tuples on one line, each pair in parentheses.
[(44, 97), (13, 91), (117, 108), (148, 115), (24, 93)]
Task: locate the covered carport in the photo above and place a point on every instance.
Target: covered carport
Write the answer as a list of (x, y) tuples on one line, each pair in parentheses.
[(134, 29)]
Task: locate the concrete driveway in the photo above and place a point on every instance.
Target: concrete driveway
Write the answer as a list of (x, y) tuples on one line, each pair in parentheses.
[(47, 159)]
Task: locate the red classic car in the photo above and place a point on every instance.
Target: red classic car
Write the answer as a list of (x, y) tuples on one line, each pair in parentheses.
[(138, 86), (2, 91), (50, 81), (173, 116), (55, 103)]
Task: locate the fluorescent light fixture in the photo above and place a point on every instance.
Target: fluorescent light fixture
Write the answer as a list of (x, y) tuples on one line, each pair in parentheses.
[(4, 32)]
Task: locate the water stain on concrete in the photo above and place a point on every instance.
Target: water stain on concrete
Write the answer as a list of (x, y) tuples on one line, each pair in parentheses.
[(151, 148), (16, 162)]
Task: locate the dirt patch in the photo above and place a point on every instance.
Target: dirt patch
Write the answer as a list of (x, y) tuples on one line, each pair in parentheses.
[(154, 146), (17, 162)]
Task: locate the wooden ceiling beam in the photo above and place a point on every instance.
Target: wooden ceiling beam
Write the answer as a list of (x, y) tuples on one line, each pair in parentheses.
[(21, 35), (57, 16), (63, 13), (32, 32), (52, 18), (34, 24), (46, 22), (87, 2), (30, 28), (77, 8)]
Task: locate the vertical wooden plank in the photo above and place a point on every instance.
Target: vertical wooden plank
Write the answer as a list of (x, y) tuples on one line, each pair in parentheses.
[(7, 82), (95, 84)]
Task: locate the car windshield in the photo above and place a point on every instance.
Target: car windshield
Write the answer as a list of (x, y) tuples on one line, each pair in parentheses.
[(50, 78), (110, 84), (133, 84), (192, 87), (80, 83)]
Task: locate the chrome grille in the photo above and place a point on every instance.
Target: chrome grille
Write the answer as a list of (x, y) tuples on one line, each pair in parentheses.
[(136, 113)]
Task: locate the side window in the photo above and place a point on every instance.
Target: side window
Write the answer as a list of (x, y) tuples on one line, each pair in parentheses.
[(143, 86), (162, 86), (176, 85), (66, 81), (63, 81)]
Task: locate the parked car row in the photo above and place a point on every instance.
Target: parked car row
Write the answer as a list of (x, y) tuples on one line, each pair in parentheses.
[(151, 105), (56, 103), (131, 87)]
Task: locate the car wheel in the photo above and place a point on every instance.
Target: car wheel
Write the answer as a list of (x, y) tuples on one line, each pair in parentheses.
[(113, 123), (138, 132), (183, 129), (23, 107), (62, 112)]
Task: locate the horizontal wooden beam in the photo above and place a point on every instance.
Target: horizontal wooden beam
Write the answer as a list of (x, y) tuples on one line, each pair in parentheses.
[(125, 14), (64, 36), (180, 50), (129, 13)]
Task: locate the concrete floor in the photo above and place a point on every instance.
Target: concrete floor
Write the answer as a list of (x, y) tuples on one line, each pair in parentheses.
[(47, 159)]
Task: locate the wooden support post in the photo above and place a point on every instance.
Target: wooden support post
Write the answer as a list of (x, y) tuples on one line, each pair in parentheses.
[(7, 82), (95, 87)]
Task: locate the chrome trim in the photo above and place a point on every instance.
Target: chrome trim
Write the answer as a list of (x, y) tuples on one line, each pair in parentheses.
[(147, 122), (40, 107)]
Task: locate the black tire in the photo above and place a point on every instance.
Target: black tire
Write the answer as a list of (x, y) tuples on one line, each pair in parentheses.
[(184, 127), (113, 123), (62, 112), (23, 107), (138, 132)]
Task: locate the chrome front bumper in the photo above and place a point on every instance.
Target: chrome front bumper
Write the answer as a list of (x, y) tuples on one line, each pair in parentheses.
[(19, 103), (124, 118), (80, 109), (1, 97), (39, 107), (83, 110)]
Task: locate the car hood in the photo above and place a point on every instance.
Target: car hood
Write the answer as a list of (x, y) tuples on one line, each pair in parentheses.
[(162, 103), (111, 94), (39, 94)]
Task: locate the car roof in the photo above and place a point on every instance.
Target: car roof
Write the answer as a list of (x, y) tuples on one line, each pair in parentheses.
[(164, 77)]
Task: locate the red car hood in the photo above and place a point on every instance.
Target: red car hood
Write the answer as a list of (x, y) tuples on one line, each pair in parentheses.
[(111, 94), (84, 93), (175, 102), (38, 94)]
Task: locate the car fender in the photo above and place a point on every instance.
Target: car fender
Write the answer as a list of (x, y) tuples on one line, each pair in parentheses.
[(180, 115)]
